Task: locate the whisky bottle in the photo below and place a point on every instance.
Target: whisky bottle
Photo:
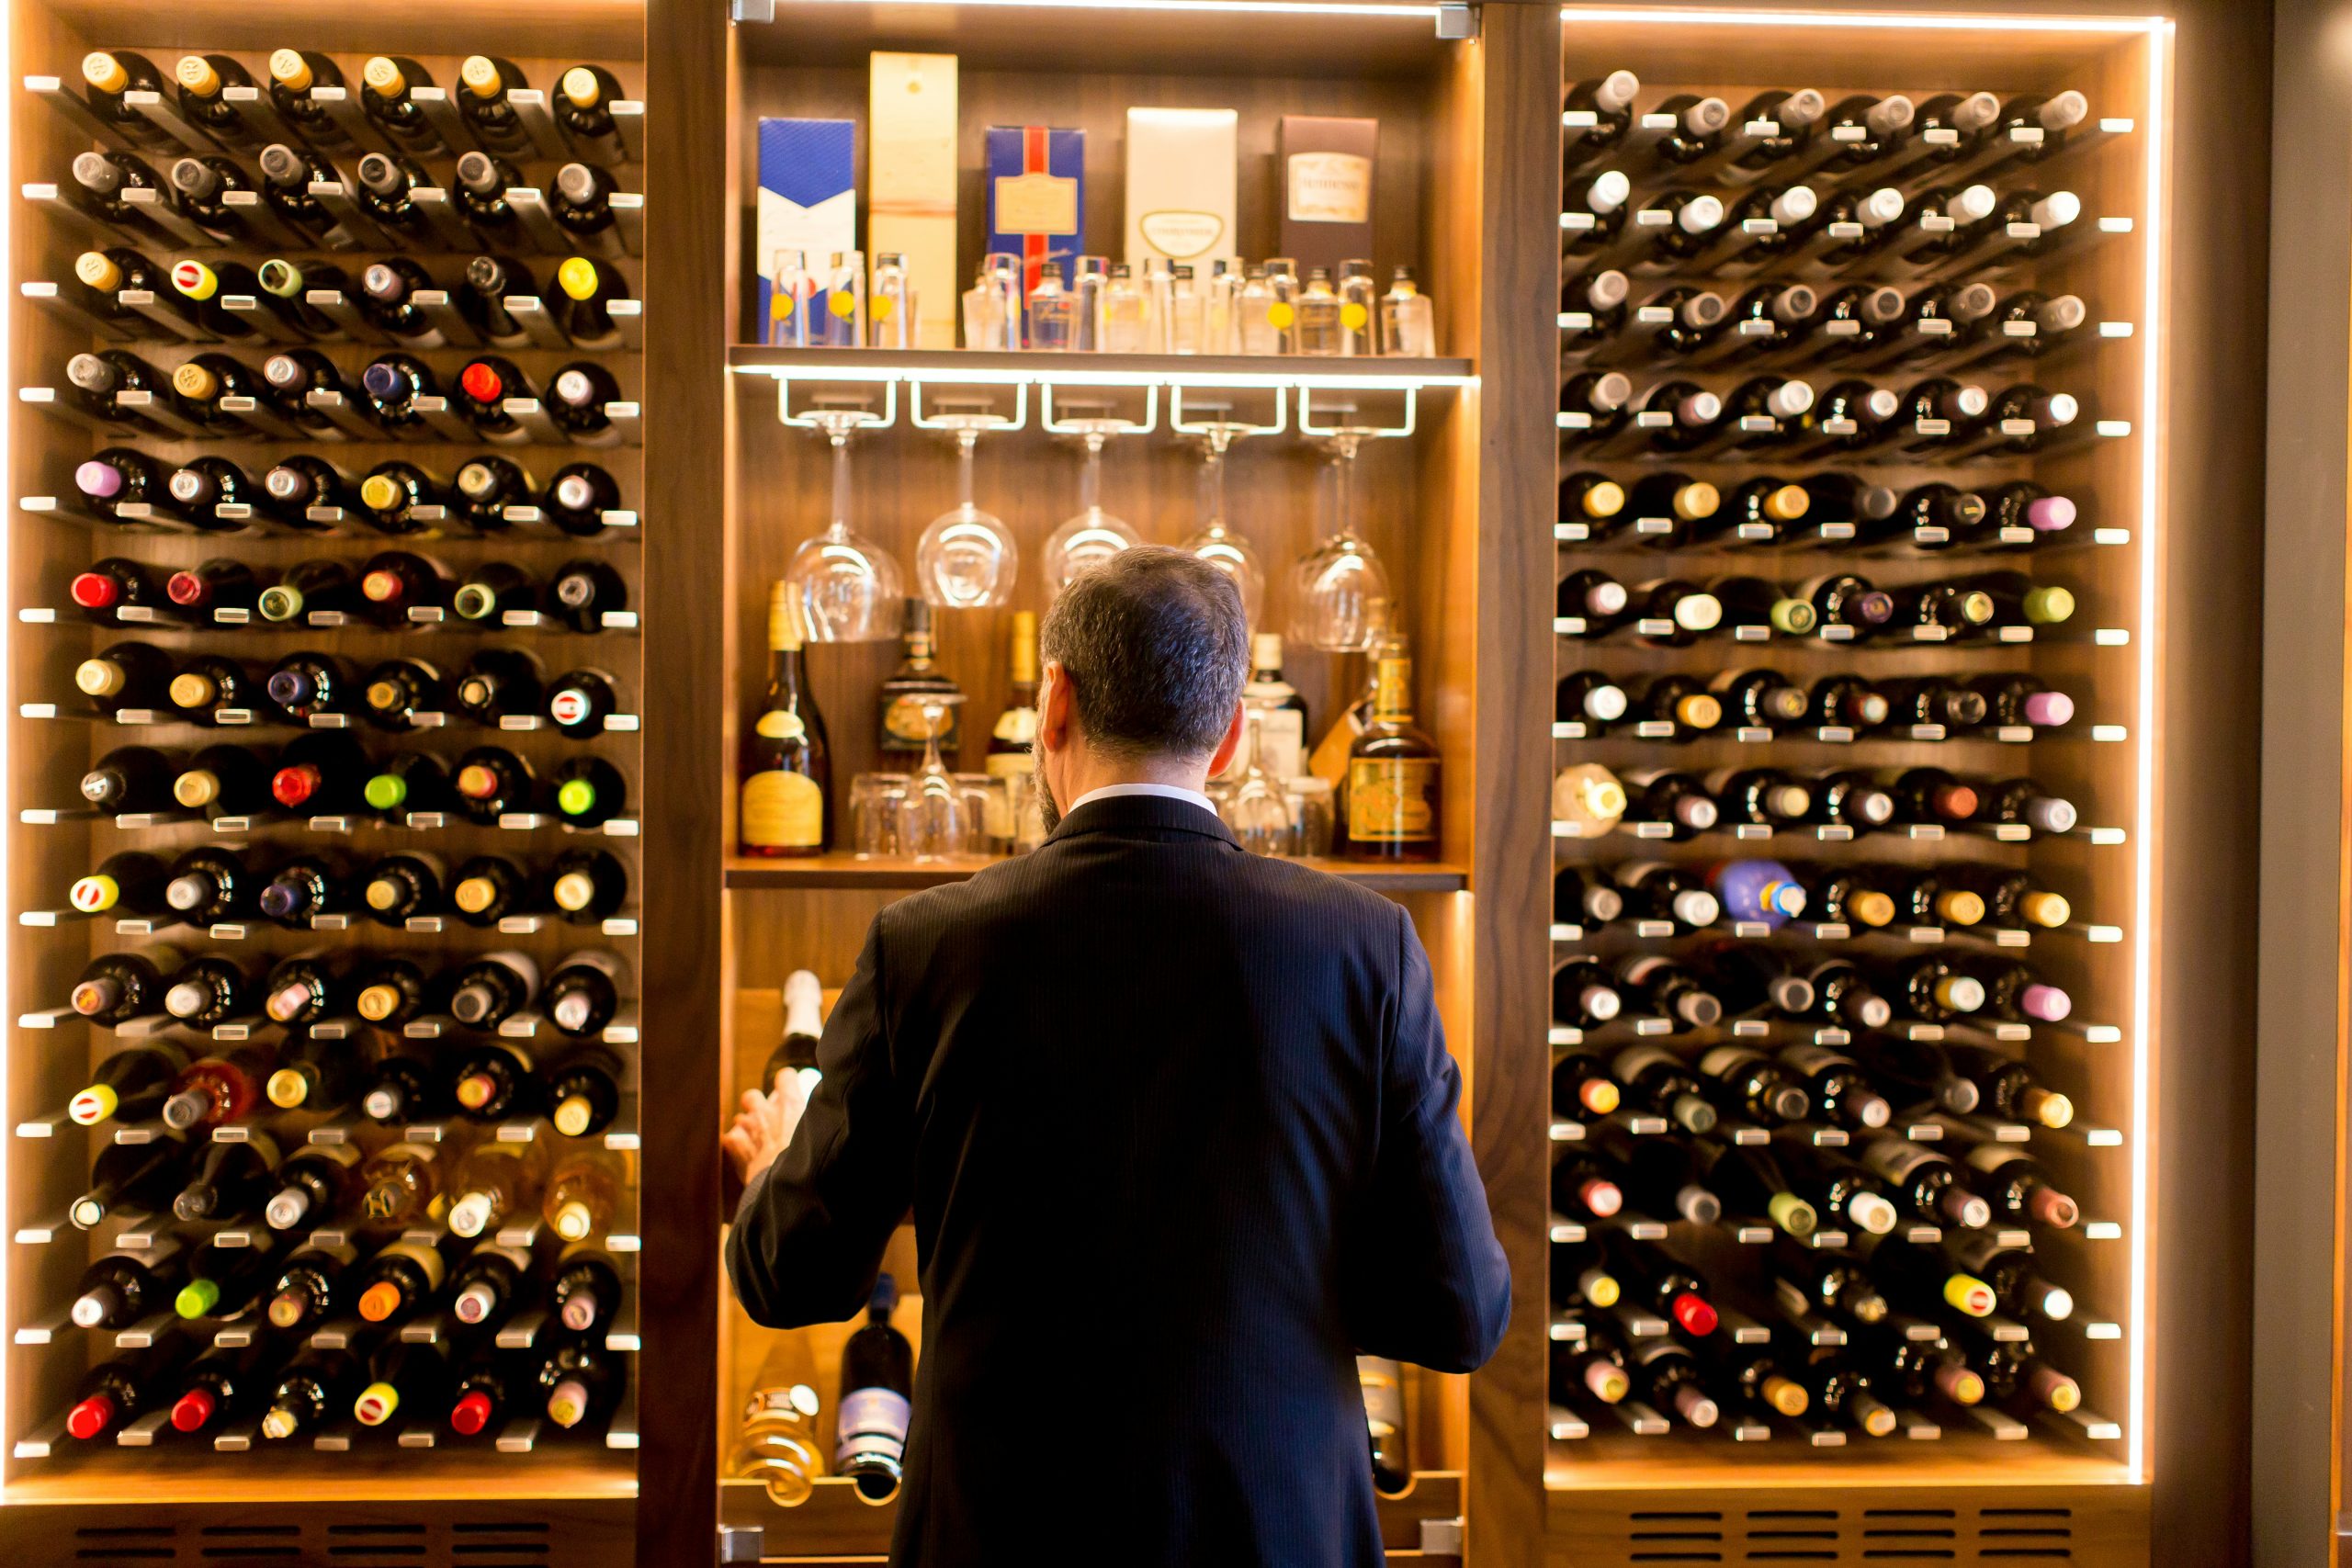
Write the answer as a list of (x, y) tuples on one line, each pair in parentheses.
[(787, 764), (903, 728), (1392, 771)]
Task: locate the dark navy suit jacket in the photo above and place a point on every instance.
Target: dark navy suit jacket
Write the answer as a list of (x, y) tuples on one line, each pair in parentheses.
[(1177, 1127)]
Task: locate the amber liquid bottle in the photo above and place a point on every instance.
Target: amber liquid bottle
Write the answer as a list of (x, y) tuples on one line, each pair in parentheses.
[(786, 807), (903, 729), (1392, 771)]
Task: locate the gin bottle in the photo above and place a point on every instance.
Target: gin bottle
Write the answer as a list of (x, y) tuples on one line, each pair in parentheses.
[(1359, 308), (1124, 316), (1089, 288), (1406, 323), (1316, 328), (1053, 311), (1253, 313), (1184, 329), (890, 302)]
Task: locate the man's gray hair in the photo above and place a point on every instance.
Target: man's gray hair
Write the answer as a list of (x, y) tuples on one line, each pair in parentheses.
[(1155, 647)]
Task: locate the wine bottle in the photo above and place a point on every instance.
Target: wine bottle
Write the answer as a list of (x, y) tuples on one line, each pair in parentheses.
[(2022, 802), (583, 1195), (2012, 1273), (131, 1085), (1675, 799), (1845, 996), (388, 991), (2008, 1089), (1664, 989), (129, 779), (1599, 403), (130, 882), (492, 782), (583, 592), (318, 1183), (401, 1180), (1578, 898), (300, 991), (493, 989), (1842, 1192), (126, 675), (398, 1279), (876, 1398), (1926, 1183), (117, 1392), (124, 1288), (578, 497), (225, 1283), (1661, 1176), (2011, 900), (117, 987), (222, 1089), (1846, 895), (1756, 979), (589, 791), (1654, 890), (492, 1182), (1585, 995), (1656, 1081), (582, 994), (130, 1178), (494, 1081), (1807, 1282), (1746, 1083), (583, 1092), (585, 1291), (1842, 1393), (1759, 796), (490, 1284), (1841, 1092), (582, 1381), (404, 1374), (309, 1392), (582, 295), (2017, 1186)]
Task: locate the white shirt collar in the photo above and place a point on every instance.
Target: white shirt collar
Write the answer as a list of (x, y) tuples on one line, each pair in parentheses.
[(1167, 792)]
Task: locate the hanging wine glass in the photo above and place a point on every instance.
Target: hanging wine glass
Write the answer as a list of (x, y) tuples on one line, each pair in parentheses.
[(850, 588), (1217, 543), (967, 559), (1091, 536), (1336, 587)]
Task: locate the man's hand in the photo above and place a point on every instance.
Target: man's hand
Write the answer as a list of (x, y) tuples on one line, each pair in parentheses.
[(766, 1123)]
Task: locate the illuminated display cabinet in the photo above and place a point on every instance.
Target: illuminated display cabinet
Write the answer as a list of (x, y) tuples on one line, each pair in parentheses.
[(1459, 461)]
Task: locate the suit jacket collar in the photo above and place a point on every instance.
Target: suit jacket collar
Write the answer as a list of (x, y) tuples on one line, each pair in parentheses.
[(1151, 814)]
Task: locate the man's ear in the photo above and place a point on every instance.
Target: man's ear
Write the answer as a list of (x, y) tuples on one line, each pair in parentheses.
[(1223, 757), (1054, 705)]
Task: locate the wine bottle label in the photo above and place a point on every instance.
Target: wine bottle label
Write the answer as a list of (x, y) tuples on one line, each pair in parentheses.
[(1809, 1059), (1990, 1157), (783, 810), (872, 1424), (1281, 742), (1392, 800), (1724, 1060), (903, 723)]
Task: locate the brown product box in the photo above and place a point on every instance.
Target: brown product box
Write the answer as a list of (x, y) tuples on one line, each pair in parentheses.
[(1326, 167), (911, 182)]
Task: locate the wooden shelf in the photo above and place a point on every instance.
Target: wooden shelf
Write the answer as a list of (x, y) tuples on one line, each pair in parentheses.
[(745, 873), (951, 367)]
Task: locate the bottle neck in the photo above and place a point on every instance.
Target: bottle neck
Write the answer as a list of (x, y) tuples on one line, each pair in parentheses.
[(1392, 690)]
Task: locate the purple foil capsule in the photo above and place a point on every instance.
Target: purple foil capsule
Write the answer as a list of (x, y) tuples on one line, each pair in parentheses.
[(2046, 708), (1762, 890)]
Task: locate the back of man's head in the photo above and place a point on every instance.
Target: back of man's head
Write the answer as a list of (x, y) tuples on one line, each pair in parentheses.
[(1155, 647)]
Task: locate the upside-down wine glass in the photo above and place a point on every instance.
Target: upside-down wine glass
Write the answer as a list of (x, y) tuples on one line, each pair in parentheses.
[(1335, 586), (850, 588), (967, 559), (1218, 544), (1091, 536), (934, 823)]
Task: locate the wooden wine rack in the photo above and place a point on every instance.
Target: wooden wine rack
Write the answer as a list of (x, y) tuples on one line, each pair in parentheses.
[(1462, 509), (2076, 1490)]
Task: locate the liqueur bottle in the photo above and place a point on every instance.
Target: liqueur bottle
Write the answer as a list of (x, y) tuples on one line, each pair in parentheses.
[(903, 729), (1394, 805), (788, 769)]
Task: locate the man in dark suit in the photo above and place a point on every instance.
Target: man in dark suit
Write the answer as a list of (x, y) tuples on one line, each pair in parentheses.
[(1178, 1128)]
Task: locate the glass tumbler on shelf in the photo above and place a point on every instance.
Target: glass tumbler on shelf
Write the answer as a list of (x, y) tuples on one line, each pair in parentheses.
[(890, 302), (1091, 536), (992, 306), (1335, 586), (935, 821), (873, 800), (1217, 543), (1053, 311), (1311, 815), (850, 588), (967, 559)]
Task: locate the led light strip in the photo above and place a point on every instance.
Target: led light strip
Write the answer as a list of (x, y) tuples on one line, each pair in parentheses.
[(1279, 8), (2159, 34), (945, 373)]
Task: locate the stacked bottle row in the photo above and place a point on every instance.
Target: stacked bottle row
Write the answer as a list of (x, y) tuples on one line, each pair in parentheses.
[(1805, 1104), (380, 1175)]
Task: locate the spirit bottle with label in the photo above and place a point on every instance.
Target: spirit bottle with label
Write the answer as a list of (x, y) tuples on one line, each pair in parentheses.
[(1392, 771), (788, 765), (1013, 820), (904, 731), (1282, 724), (1408, 324)]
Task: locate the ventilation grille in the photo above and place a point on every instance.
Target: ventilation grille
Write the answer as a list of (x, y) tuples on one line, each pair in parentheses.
[(1982, 1537), (316, 1542)]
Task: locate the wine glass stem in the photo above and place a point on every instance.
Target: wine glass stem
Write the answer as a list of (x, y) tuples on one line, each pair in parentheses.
[(966, 442), (1089, 478), (1215, 484), (841, 481)]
